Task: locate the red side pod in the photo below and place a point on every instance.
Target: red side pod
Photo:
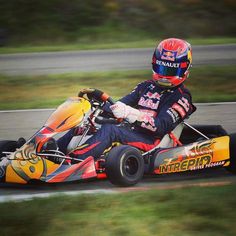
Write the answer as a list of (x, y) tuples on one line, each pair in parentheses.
[(83, 170)]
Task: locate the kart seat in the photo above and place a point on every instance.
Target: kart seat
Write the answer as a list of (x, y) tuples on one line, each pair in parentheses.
[(167, 140)]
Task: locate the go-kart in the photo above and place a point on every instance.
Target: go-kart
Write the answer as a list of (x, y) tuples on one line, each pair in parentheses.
[(186, 148)]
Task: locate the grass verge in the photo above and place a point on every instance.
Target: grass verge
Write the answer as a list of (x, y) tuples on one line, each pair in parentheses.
[(207, 84), (90, 44), (189, 211)]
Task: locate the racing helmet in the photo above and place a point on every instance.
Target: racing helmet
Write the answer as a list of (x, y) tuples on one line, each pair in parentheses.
[(171, 61)]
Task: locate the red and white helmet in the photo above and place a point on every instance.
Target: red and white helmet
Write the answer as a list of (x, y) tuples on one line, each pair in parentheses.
[(171, 61)]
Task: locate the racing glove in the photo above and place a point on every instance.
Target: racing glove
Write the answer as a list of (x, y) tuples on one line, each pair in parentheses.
[(123, 111)]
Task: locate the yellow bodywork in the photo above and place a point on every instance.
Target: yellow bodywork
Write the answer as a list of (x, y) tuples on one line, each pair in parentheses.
[(21, 171), (69, 114), (221, 149), (199, 155), (24, 163)]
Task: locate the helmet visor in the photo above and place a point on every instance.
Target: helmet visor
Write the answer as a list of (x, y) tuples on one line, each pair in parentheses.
[(163, 70)]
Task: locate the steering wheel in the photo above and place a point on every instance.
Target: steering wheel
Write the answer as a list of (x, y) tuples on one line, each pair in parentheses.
[(97, 95), (101, 97)]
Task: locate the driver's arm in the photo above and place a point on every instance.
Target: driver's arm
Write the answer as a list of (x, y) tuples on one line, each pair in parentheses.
[(168, 117), (130, 99)]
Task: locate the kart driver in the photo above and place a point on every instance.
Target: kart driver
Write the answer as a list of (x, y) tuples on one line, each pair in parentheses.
[(155, 107)]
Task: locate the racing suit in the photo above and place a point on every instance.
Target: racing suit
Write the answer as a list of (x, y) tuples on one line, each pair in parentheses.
[(165, 109)]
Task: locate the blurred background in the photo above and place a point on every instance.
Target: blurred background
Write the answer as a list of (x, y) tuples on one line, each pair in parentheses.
[(33, 22)]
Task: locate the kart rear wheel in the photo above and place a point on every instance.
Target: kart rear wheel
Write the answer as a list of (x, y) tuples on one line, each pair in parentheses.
[(124, 166), (232, 151), (211, 131), (7, 146)]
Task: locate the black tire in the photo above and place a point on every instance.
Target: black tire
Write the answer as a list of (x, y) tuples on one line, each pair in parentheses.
[(124, 166), (7, 146), (211, 131), (20, 142), (232, 151)]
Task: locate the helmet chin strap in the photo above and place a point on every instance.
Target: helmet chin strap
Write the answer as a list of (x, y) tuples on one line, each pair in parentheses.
[(165, 84), (161, 84)]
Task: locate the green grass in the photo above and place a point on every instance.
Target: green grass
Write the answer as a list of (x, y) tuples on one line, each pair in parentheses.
[(104, 43), (202, 211), (207, 84)]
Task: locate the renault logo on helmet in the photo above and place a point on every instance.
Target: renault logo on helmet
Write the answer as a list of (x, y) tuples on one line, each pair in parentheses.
[(168, 64)]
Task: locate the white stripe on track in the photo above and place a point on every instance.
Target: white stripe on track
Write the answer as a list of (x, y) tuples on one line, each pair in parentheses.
[(28, 197), (27, 110)]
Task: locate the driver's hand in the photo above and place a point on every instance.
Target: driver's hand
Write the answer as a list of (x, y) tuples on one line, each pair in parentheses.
[(87, 90), (123, 111)]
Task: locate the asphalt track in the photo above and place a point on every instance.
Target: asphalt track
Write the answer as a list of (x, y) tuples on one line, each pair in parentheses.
[(14, 124), (101, 60), (24, 123)]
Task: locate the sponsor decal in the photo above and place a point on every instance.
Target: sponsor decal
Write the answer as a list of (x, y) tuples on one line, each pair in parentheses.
[(174, 115), (183, 65), (151, 87), (152, 95), (194, 158), (168, 64), (184, 103), (179, 109), (148, 100), (168, 55), (148, 103), (189, 164), (213, 164)]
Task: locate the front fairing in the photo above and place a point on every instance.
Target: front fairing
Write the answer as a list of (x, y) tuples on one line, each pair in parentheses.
[(68, 115), (25, 164)]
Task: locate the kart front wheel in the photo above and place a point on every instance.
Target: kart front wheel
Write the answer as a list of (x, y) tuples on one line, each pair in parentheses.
[(7, 146), (232, 151), (124, 166)]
